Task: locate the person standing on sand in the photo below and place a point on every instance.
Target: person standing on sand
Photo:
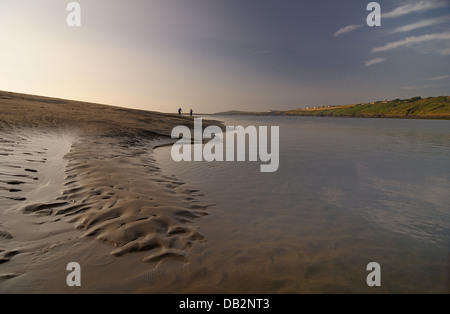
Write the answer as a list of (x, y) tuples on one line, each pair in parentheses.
[(192, 112), (179, 110)]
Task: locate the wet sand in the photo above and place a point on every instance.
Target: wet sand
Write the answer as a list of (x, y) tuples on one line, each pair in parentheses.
[(78, 184)]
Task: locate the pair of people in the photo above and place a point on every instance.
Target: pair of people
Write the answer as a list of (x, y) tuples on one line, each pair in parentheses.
[(179, 111)]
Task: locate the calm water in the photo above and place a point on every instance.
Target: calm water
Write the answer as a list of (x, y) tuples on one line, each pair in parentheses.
[(347, 192)]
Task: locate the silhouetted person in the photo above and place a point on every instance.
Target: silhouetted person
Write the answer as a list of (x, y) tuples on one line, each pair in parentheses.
[(192, 112), (179, 110)]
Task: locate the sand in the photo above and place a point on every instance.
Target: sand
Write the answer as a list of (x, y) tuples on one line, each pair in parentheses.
[(78, 184)]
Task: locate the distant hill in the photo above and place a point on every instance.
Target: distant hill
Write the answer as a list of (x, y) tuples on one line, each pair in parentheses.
[(412, 108), (237, 112)]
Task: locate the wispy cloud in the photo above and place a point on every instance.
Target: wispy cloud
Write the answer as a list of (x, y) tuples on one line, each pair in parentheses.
[(415, 7), (422, 24), (260, 52), (444, 52), (412, 40), (374, 61), (347, 29), (421, 6), (432, 82), (416, 87), (437, 78)]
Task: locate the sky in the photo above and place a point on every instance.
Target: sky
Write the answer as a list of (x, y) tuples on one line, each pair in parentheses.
[(219, 55)]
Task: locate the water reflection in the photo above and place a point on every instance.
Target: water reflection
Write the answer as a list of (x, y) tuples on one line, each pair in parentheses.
[(345, 190)]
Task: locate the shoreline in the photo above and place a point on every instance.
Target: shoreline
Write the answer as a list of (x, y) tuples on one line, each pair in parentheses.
[(334, 116), (374, 117)]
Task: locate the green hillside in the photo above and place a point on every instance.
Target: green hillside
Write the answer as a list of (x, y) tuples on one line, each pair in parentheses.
[(428, 108)]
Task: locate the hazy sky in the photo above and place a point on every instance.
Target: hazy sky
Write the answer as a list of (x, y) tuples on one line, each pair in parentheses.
[(217, 55)]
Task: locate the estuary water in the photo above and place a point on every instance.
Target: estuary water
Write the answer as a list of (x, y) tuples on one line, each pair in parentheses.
[(347, 192)]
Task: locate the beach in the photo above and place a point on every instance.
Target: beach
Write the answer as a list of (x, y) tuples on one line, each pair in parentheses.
[(224, 147), (78, 184), (96, 185)]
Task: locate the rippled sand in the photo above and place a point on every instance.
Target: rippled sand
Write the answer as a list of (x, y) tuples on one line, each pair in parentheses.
[(78, 184)]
